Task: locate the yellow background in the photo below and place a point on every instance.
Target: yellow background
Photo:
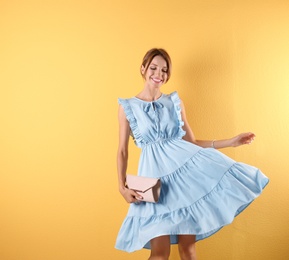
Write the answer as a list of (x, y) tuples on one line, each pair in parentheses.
[(62, 66)]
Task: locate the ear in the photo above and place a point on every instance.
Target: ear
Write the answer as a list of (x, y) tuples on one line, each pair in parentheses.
[(142, 69)]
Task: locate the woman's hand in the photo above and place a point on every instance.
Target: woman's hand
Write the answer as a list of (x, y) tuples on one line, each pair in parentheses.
[(130, 196), (244, 138)]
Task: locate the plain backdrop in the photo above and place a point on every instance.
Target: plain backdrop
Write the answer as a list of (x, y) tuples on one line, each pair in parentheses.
[(63, 64)]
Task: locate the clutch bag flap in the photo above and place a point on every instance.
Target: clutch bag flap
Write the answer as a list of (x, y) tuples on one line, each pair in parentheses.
[(142, 184)]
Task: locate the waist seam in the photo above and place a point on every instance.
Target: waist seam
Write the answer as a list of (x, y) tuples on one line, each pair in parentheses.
[(162, 140)]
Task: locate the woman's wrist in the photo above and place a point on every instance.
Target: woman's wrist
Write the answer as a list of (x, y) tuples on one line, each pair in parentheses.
[(232, 142), (218, 144), (122, 187), (213, 144)]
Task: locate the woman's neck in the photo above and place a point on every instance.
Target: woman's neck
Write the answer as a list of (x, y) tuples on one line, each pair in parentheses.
[(149, 94)]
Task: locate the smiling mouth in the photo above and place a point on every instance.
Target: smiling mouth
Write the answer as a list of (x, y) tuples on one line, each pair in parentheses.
[(157, 80)]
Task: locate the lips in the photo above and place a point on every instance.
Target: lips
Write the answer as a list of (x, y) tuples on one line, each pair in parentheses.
[(156, 80)]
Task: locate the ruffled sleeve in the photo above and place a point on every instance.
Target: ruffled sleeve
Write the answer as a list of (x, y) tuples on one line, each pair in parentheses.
[(177, 105), (135, 133)]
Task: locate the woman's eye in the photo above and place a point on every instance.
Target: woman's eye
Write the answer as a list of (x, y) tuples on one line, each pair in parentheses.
[(153, 68), (165, 71)]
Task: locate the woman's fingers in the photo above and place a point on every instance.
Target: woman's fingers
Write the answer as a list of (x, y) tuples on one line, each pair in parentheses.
[(137, 196), (132, 197)]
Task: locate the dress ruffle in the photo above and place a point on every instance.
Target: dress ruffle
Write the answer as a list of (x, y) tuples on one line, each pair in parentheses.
[(186, 207), (135, 133), (177, 104)]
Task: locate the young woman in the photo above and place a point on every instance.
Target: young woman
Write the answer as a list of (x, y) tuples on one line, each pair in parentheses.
[(202, 189)]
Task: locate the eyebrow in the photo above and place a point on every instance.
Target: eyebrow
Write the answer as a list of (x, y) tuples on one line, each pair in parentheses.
[(157, 65)]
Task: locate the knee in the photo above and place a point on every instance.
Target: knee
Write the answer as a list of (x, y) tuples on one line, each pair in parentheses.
[(187, 253), (187, 248), (160, 248), (160, 255)]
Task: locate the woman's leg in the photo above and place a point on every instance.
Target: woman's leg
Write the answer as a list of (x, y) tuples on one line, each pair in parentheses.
[(187, 247), (160, 248)]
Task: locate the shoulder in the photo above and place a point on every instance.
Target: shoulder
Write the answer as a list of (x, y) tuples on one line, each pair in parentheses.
[(121, 101), (175, 98), (128, 106), (125, 102), (172, 94)]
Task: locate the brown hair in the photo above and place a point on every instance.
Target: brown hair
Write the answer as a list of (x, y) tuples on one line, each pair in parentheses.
[(147, 59)]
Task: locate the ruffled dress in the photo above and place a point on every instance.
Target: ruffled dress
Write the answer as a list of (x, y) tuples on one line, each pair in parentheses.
[(202, 189)]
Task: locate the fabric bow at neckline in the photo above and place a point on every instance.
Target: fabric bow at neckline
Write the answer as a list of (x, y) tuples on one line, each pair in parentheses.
[(154, 105)]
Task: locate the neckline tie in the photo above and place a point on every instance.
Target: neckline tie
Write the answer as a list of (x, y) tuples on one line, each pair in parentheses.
[(154, 105)]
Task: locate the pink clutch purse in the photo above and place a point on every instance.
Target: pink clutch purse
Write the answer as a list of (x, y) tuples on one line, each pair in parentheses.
[(148, 188)]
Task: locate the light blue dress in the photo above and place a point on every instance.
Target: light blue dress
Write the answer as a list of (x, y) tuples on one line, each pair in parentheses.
[(202, 189)]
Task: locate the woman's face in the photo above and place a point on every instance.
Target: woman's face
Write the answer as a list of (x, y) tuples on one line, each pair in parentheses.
[(156, 74)]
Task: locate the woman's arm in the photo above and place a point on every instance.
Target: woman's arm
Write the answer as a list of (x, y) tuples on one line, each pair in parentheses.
[(122, 158), (244, 138)]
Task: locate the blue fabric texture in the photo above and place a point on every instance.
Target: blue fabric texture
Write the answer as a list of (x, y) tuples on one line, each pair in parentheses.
[(202, 189)]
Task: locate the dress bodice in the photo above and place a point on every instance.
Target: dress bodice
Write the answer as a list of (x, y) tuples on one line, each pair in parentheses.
[(154, 121)]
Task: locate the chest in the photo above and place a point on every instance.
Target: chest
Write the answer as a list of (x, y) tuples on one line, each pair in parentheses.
[(156, 118)]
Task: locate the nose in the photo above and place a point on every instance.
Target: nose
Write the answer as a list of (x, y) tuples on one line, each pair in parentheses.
[(159, 72)]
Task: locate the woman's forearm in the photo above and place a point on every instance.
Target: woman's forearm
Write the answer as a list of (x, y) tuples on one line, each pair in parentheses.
[(240, 139), (217, 144), (122, 159)]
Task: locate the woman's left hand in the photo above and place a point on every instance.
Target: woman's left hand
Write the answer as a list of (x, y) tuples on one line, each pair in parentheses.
[(244, 138)]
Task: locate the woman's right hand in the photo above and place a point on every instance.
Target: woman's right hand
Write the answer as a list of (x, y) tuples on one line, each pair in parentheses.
[(130, 195)]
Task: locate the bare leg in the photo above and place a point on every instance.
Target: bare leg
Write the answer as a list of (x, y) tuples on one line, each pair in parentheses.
[(160, 248), (187, 247)]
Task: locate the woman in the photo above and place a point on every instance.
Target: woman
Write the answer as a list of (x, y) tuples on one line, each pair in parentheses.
[(202, 189)]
